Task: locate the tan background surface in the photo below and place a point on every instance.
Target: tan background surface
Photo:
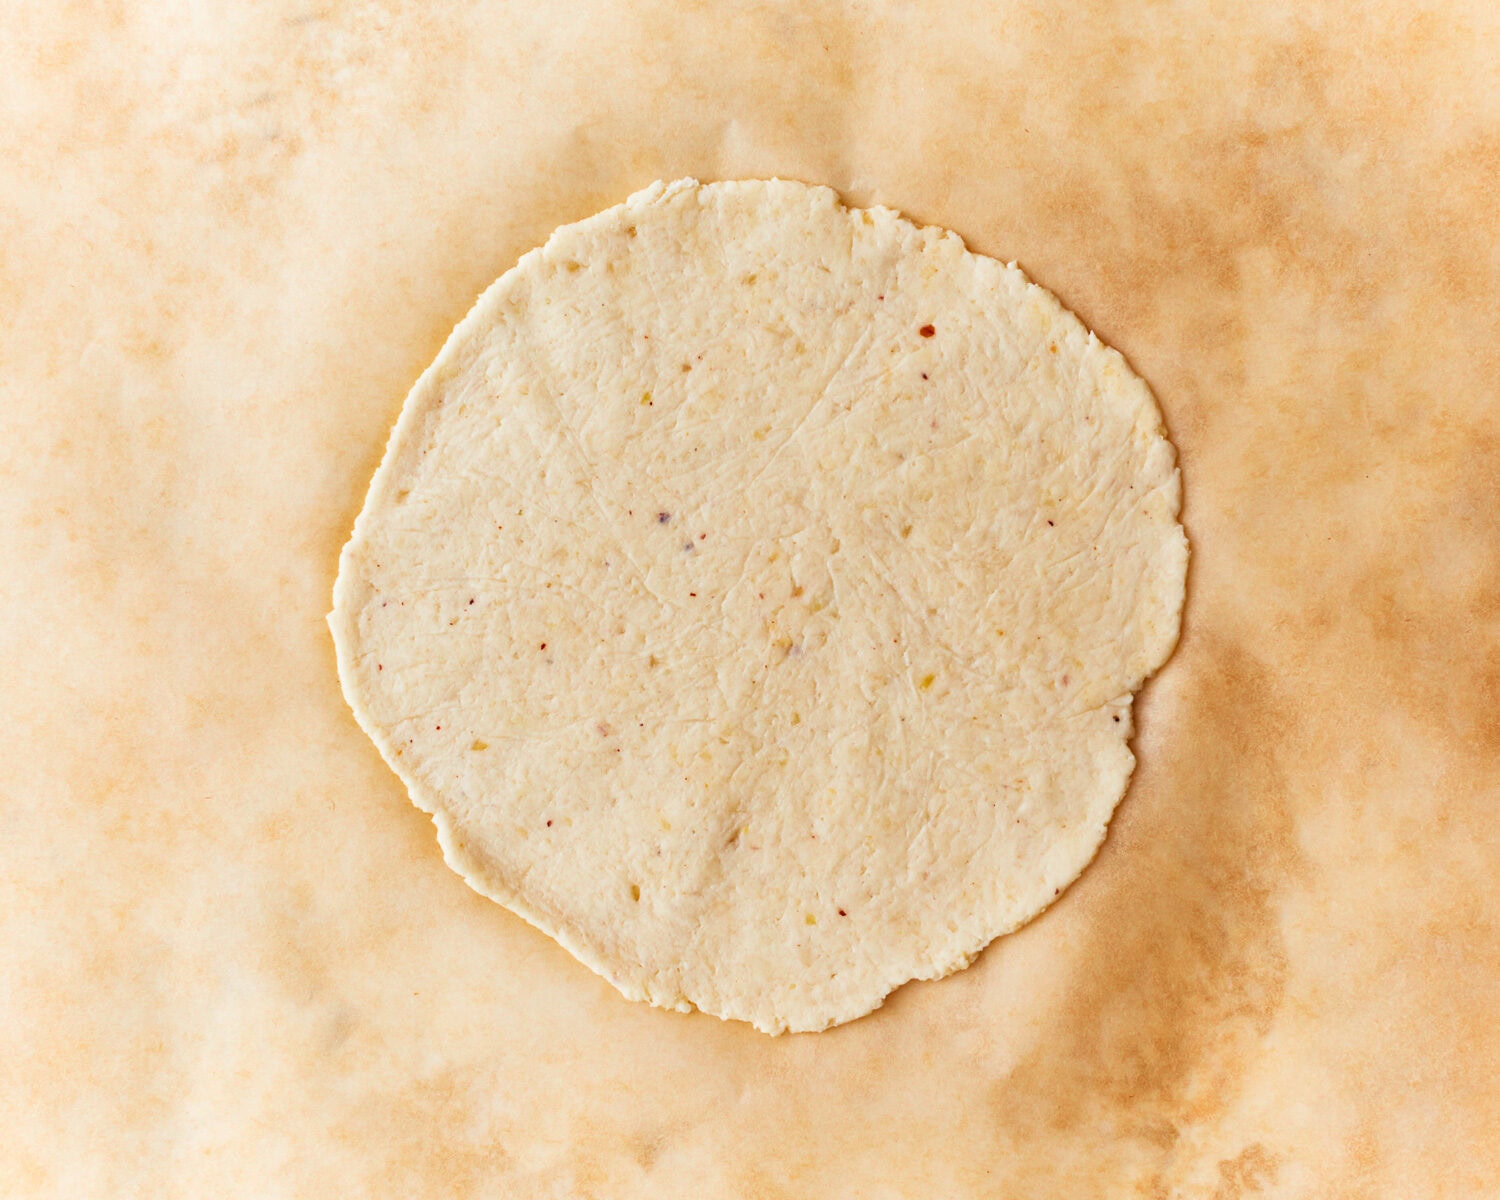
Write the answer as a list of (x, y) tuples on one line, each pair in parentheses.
[(231, 959)]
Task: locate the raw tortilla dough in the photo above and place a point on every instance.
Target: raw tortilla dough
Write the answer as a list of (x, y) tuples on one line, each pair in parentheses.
[(754, 591)]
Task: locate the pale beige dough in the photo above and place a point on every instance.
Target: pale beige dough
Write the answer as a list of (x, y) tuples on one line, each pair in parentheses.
[(754, 591)]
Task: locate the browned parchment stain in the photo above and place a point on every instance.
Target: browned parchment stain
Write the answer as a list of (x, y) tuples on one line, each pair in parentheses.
[(233, 960), (1186, 973)]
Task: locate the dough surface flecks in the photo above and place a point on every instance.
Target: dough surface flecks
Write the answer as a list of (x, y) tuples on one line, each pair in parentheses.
[(754, 591)]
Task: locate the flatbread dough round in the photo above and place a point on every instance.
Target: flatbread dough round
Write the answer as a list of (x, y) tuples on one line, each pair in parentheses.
[(754, 591)]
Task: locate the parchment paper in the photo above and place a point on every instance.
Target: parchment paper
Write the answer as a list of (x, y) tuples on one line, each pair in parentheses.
[(232, 962)]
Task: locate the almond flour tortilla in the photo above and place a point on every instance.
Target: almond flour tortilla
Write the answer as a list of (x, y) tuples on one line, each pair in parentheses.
[(754, 591)]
